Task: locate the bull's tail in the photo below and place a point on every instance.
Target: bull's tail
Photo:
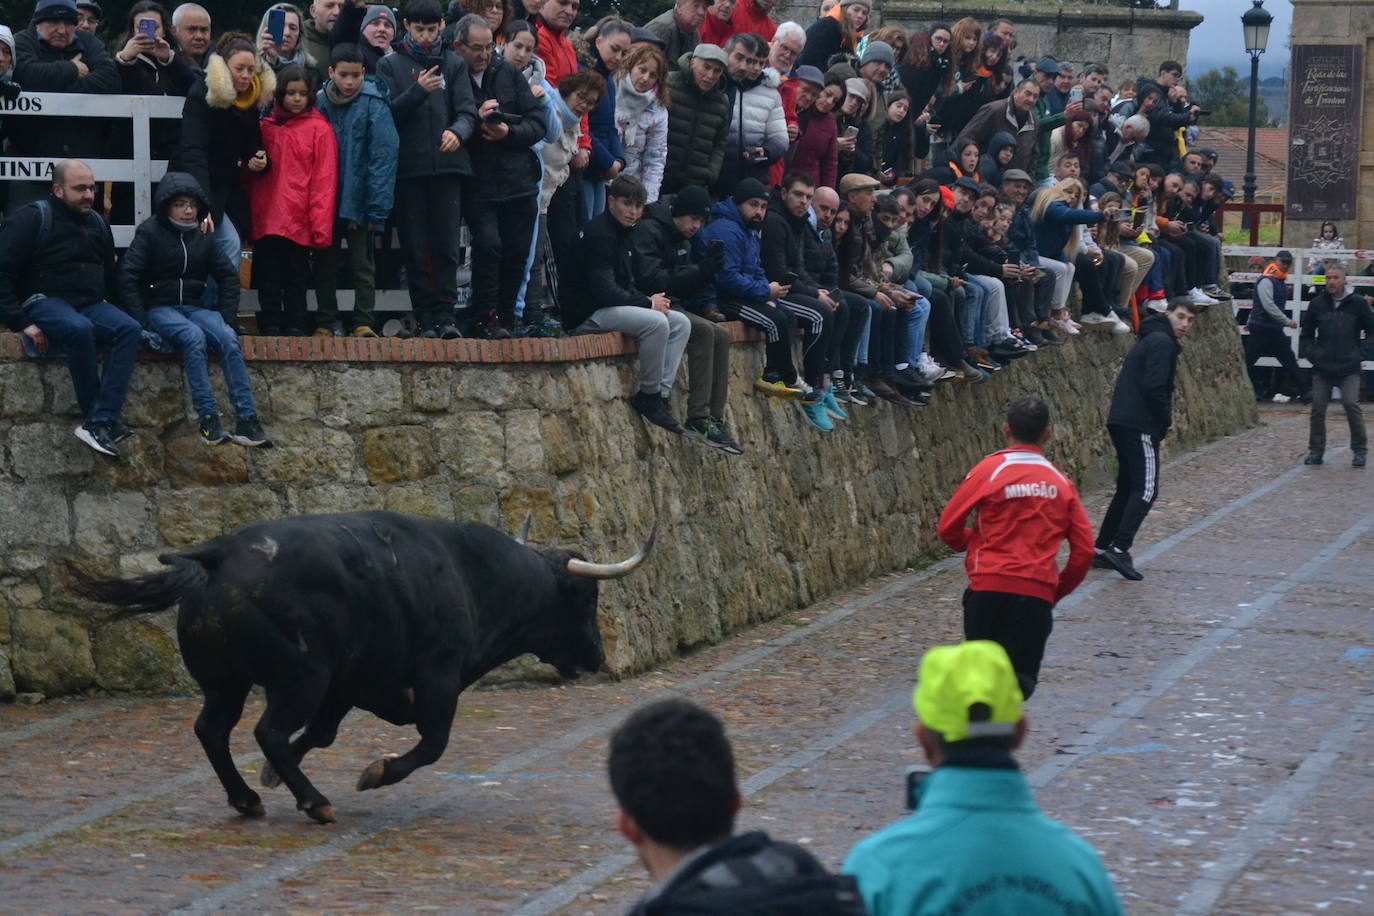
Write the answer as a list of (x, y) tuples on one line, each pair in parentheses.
[(144, 594)]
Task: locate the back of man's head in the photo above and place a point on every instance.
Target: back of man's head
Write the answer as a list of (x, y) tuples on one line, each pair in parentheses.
[(1027, 419), (672, 770)]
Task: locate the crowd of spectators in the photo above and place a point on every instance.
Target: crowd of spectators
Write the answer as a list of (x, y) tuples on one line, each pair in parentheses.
[(919, 206)]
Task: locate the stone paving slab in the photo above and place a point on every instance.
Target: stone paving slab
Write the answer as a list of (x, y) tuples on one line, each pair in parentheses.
[(458, 837)]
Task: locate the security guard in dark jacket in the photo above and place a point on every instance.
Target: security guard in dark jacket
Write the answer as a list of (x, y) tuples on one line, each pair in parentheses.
[(1142, 412), (1330, 338)]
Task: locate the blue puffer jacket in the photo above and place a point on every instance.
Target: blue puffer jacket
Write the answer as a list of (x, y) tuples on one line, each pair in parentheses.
[(1053, 231), (742, 277), (606, 145), (368, 150), (979, 844)]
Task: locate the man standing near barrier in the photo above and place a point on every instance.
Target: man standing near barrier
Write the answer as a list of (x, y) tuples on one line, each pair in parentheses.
[(57, 268), (1330, 338), (1025, 507), (1265, 335), (1142, 412)]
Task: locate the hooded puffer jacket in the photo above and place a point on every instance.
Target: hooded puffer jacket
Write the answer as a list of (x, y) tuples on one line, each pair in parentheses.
[(296, 200), (217, 135), (756, 120), (697, 126), (642, 122), (168, 266), (988, 167), (741, 279), (368, 147)]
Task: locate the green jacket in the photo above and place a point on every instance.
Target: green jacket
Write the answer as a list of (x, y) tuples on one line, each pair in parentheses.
[(697, 126), (979, 845)]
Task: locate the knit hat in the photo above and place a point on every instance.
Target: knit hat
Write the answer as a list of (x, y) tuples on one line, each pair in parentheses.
[(691, 201), (878, 52), (748, 189), (55, 10), (809, 74), (377, 11), (953, 679), (856, 86)]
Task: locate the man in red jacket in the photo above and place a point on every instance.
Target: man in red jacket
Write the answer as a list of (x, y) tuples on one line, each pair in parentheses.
[(1025, 506)]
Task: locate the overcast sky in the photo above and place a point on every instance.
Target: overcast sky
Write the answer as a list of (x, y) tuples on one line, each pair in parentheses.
[(1219, 41)]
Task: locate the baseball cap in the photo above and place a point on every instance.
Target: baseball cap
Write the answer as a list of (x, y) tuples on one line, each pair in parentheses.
[(857, 181), (1048, 66), (1015, 175), (691, 201), (856, 86), (953, 678), (706, 51), (809, 74), (1285, 256), (50, 10)]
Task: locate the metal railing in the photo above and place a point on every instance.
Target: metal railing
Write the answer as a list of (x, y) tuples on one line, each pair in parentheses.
[(1301, 275)]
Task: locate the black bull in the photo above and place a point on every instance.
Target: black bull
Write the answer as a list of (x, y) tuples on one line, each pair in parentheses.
[(390, 613)]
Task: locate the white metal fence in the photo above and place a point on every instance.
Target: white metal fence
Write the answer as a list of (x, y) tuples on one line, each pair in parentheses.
[(1304, 259)]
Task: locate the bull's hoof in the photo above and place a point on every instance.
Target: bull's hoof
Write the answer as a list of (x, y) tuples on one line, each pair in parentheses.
[(322, 814), (250, 809), (268, 777), (374, 777)]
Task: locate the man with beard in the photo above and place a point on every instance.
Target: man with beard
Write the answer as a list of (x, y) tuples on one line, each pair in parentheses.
[(1015, 116)]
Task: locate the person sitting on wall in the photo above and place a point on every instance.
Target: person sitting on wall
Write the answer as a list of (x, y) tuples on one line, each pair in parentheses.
[(57, 272), (164, 272)]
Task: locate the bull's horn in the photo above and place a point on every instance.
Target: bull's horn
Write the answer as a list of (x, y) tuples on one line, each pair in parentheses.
[(587, 570), (523, 534)]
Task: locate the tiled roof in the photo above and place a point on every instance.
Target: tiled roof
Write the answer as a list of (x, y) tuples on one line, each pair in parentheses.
[(1271, 158)]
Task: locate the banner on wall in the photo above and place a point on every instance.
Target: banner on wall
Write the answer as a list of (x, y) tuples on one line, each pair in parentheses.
[(1326, 84)]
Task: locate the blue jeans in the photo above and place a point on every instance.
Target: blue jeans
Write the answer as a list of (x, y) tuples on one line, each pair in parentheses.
[(100, 390), (861, 351), (971, 322), (193, 330), (227, 238), (916, 325)]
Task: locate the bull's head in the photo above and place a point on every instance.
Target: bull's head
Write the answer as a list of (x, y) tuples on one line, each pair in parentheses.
[(576, 645)]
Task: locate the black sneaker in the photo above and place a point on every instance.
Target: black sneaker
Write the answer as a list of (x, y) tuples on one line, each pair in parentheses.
[(212, 431), (1120, 561), (430, 333), (97, 436), (119, 432), (449, 331), (720, 435), (651, 407), (1312, 459), (248, 432), (700, 429), (1100, 562), (1357, 461)]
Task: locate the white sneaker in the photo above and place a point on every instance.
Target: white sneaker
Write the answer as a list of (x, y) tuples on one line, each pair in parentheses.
[(1281, 399), (1201, 298), (1157, 305), (1119, 326), (1070, 328), (928, 368), (1097, 321)]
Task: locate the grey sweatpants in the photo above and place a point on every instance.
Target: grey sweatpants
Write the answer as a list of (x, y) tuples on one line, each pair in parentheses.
[(662, 339)]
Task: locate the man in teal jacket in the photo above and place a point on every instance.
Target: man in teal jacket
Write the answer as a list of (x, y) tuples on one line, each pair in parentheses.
[(977, 843)]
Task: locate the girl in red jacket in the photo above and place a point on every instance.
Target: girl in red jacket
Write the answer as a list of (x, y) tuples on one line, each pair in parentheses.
[(293, 202)]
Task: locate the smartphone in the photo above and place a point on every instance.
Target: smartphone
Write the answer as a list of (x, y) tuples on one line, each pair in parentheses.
[(851, 132), (511, 118), (1076, 94), (148, 28), (276, 25), (787, 279)]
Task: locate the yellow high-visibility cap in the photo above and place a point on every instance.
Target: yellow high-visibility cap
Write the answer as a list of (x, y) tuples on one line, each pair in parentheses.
[(953, 678)]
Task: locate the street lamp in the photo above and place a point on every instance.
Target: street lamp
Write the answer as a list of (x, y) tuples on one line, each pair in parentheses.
[(1256, 24)]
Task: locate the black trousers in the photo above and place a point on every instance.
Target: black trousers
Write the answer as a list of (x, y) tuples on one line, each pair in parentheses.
[(1018, 623), (776, 325), (848, 329), (280, 271), (882, 341), (1088, 276), (428, 216), (501, 236), (564, 223), (817, 321), (946, 343), (1261, 342), (1137, 485)]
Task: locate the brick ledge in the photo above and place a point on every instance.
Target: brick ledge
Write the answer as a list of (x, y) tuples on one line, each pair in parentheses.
[(419, 350)]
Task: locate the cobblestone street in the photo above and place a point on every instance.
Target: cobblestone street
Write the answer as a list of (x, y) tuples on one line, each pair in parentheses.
[(1208, 729)]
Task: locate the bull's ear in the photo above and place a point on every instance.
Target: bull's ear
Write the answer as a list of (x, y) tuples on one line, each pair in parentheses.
[(523, 534)]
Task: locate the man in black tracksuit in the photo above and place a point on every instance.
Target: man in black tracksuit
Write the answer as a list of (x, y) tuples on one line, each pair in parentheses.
[(1330, 338), (1141, 414)]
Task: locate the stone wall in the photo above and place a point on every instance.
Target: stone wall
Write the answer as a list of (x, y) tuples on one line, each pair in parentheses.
[(402, 426), (1131, 42)]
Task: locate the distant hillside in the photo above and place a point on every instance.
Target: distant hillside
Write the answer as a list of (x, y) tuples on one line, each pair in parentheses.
[(1274, 91)]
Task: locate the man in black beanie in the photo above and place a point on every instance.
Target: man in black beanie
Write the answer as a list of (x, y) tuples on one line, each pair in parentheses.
[(744, 293), (666, 258)]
